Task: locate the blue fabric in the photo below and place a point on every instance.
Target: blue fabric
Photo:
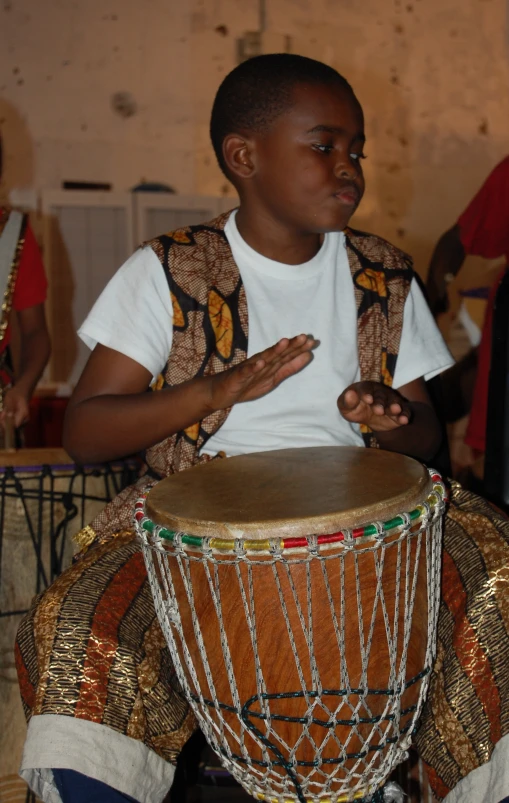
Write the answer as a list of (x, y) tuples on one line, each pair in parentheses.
[(77, 788)]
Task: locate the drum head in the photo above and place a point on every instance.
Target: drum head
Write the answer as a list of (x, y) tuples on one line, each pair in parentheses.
[(289, 493)]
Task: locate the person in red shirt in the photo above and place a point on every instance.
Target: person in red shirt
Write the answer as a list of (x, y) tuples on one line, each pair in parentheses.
[(482, 230), (27, 299)]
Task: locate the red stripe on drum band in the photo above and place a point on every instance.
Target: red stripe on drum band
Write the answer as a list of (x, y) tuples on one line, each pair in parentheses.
[(291, 543), (331, 539)]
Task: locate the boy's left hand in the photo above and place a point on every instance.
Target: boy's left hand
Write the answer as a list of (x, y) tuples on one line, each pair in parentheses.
[(379, 407)]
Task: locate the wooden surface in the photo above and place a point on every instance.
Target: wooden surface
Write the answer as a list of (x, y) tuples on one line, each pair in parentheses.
[(35, 457), (290, 492)]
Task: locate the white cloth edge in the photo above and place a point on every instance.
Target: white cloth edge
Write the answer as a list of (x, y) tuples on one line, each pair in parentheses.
[(488, 783), (94, 750)]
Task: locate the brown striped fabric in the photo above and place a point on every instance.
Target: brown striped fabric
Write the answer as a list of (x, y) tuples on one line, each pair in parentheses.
[(101, 653), (467, 711)]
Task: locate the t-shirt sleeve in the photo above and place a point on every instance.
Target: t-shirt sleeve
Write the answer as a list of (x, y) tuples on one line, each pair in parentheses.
[(31, 283), (134, 314), (484, 229), (422, 351)]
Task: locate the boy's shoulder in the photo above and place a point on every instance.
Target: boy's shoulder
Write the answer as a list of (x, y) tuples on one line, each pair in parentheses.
[(372, 248), (199, 235)]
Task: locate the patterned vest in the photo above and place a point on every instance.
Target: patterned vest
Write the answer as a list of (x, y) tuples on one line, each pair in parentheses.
[(210, 334)]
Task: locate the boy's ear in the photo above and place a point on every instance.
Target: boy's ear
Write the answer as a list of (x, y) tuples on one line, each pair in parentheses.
[(238, 155)]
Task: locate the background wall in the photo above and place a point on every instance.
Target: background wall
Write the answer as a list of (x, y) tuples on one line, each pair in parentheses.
[(431, 74)]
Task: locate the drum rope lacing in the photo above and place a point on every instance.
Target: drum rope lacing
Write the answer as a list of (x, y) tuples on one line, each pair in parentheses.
[(387, 733)]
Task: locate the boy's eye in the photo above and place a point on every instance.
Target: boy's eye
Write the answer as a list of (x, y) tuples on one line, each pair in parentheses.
[(357, 156), (323, 148)]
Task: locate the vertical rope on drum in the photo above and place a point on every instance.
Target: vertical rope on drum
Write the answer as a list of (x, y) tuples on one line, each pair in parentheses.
[(261, 689), (214, 588), (409, 608), (315, 675), (170, 618), (183, 564), (291, 638), (392, 682), (379, 561), (289, 630), (340, 640)]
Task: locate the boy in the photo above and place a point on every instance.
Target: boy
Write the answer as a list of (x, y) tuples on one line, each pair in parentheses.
[(324, 308)]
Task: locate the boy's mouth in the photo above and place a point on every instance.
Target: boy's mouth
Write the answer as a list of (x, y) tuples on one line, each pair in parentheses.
[(348, 195)]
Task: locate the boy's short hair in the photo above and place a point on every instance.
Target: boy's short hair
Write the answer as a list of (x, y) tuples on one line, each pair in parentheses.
[(256, 92)]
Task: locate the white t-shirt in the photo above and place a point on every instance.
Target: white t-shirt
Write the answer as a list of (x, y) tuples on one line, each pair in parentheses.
[(134, 315)]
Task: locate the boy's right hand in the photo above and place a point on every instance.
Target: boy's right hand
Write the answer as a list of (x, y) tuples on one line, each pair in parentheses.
[(261, 373)]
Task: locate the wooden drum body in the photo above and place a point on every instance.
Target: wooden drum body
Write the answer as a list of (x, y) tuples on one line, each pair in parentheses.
[(298, 591)]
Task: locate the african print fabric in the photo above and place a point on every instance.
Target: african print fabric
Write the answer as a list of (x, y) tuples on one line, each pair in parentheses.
[(467, 711)]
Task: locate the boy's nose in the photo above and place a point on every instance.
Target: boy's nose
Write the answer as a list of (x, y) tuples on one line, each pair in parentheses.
[(345, 169)]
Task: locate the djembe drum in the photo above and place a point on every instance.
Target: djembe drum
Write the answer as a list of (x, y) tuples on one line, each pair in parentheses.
[(298, 591)]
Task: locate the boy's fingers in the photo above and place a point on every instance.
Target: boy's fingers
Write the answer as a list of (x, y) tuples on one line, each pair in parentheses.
[(349, 400), (287, 350)]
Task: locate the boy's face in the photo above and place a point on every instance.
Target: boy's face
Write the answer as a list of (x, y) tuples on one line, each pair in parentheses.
[(308, 173)]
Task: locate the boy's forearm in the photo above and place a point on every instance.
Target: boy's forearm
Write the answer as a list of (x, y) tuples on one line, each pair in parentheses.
[(111, 426), (420, 438)]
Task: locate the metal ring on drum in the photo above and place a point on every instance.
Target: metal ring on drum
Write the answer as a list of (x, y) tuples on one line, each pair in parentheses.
[(298, 591)]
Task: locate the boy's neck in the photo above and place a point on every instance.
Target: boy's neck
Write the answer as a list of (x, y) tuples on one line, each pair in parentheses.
[(274, 240)]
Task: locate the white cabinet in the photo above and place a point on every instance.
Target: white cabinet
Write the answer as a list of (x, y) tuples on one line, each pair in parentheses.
[(86, 237)]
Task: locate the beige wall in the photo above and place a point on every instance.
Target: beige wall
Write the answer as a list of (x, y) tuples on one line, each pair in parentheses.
[(431, 74)]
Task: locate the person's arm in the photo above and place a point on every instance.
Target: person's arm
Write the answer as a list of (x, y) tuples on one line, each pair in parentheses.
[(402, 420), (111, 415), (34, 354), (446, 261), (481, 230)]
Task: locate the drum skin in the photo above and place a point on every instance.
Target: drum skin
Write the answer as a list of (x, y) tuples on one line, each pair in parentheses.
[(316, 637)]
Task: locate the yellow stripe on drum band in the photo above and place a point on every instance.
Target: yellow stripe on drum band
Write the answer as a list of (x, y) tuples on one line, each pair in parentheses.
[(228, 544), (221, 543), (260, 545)]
